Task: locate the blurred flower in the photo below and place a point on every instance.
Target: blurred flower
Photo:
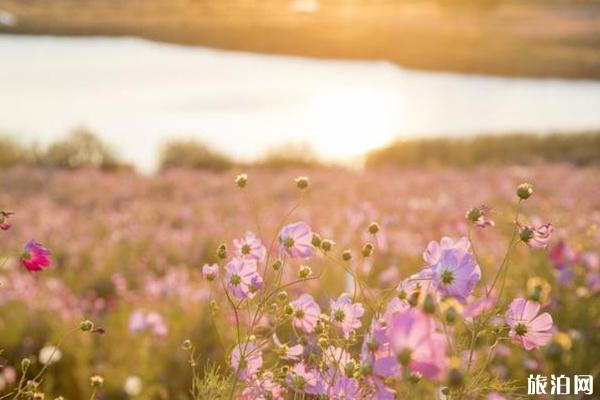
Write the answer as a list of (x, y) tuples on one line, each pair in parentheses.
[(495, 396), (246, 360), (305, 312), (455, 271), (250, 247), (562, 255), (210, 272), (140, 321), (296, 240), (538, 289), (345, 314), (526, 326), (50, 355), (417, 345), (5, 223), (133, 385), (242, 278), (264, 387), (35, 257)]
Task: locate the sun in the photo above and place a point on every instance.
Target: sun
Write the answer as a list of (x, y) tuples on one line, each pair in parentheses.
[(345, 123)]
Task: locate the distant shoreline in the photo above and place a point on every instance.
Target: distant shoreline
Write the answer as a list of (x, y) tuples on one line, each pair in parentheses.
[(511, 40)]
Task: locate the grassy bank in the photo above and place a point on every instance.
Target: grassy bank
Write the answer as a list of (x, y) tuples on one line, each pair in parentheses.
[(575, 148)]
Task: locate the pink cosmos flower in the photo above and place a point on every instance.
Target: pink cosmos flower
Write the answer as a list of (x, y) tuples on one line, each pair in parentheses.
[(537, 237), (478, 305), (335, 358), (343, 388), (250, 247), (345, 314), (263, 388), (417, 345), (495, 396), (480, 216), (246, 360), (295, 240), (210, 272), (455, 271), (35, 257), (434, 249), (526, 327), (305, 312), (303, 379), (242, 278), (5, 223), (562, 255), (288, 353)]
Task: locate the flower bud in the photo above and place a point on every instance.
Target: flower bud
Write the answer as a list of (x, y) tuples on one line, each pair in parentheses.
[(304, 271), (347, 255), (326, 245), (277, 264), (367, 250), (187, 344), (319, 328), (96, 381), (524, 191), (474, 214), (222, 251), (429, 304), (301, 182), (372, 344), (415, 377), (323, 342), (526, 234), (316, 240), (373, 228), (365, 369), (455, 378), (241, 180), (86, 326), (349, 369), (282, 296), (213, 307)]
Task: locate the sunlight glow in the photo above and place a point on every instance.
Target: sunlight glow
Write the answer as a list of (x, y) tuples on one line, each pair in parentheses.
[(345, 123)]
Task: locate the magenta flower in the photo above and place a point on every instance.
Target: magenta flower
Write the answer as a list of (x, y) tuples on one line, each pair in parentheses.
[(295, 240), (35, 257), (5, 223), (246, 360), (303, 379), (562, 255), (417, 344), (250, 247), (242, 278), (526, 327), (345, 314), (305, 312), (210, 272), (537, 237), (455, 271)]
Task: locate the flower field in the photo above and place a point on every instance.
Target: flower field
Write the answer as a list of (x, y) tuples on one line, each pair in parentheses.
[(298, 283)]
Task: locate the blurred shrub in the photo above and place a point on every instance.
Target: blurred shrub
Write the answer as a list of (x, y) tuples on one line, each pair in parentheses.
[(290, 155), (192, 154), (80, 149), (12, 153), (576, 148)]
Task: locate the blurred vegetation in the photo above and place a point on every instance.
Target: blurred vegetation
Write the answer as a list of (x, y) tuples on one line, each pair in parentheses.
[(290, 155), (575, 148), (82, 148), (188, 153)]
